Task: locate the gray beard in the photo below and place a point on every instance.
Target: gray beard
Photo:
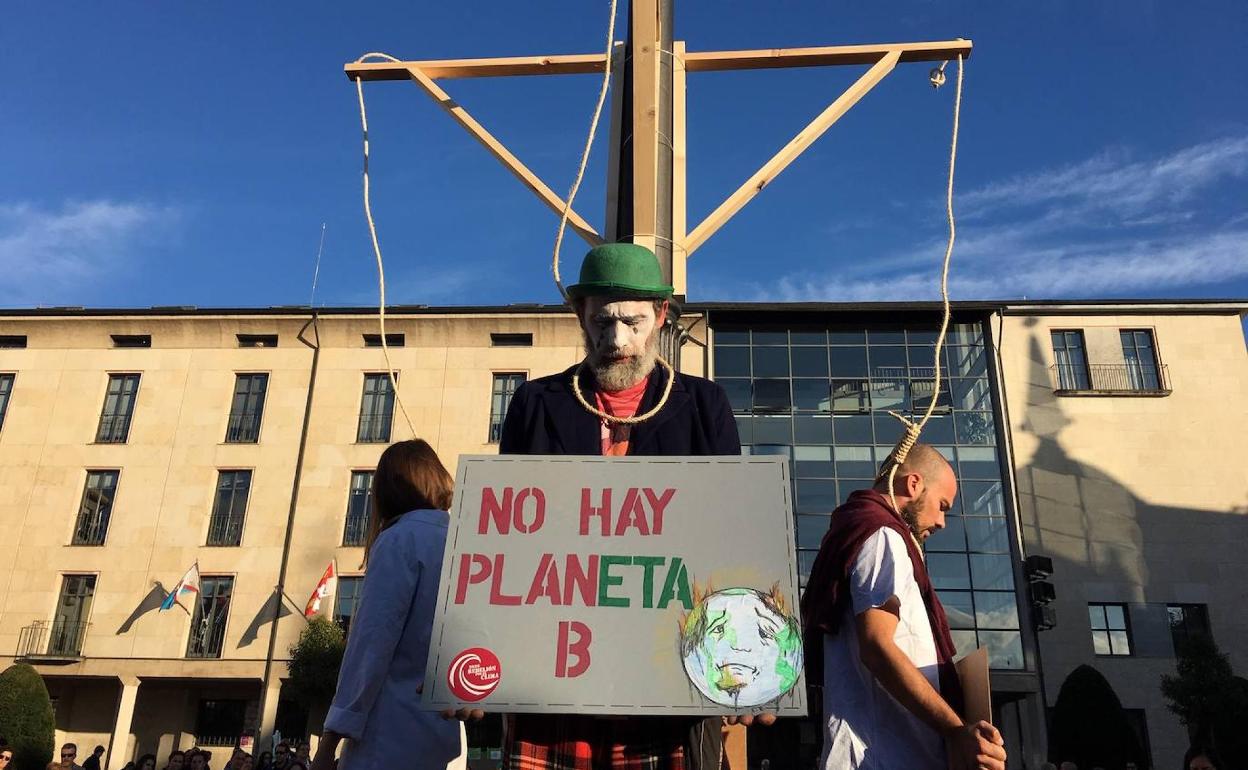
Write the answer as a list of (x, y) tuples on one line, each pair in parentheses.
[(616, 376)]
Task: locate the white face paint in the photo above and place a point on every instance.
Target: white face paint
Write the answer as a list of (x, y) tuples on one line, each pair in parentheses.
[(621, 339)]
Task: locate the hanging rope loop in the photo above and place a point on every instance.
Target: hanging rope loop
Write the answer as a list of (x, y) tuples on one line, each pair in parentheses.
[(589, 143), (914, 429), (611, 418), (372, 231)]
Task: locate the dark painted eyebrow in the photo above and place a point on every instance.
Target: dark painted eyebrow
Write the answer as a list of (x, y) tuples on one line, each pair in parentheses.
[(625, 318)]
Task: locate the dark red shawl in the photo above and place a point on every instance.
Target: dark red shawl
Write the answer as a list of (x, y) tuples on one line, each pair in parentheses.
[(827, 591)]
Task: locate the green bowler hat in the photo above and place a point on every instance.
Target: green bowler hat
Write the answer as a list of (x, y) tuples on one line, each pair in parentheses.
[(624, 270)]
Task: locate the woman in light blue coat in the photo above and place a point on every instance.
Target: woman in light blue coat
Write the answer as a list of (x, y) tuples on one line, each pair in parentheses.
[(377, 705)]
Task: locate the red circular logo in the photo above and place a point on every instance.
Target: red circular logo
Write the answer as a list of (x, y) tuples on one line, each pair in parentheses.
[(473, 674)]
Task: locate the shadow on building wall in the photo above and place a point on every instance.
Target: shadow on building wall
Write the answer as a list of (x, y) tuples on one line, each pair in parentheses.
[(1109, 544)]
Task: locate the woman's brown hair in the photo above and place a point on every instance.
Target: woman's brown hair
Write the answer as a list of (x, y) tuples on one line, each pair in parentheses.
[(409, 477)]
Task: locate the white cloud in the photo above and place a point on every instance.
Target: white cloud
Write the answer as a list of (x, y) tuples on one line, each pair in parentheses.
[(1143, 267), (1108, 226), (49, 256), (1113, 182)]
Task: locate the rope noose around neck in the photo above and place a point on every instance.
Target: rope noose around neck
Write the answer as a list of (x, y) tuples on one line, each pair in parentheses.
[(611, 418), (563, 224), (913, 429)]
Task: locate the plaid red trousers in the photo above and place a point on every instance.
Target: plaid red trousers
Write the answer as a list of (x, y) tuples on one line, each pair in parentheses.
[(577, 742)]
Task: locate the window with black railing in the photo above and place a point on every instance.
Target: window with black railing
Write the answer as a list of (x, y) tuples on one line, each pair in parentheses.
[(376, 409), (1140, 372), (118, 409), (1140, 356), (212, 612), (1071, 360), (229, 508), (96, 508), (6, 390), (73, 608), (247, 409), (504, 387), (359, 500)]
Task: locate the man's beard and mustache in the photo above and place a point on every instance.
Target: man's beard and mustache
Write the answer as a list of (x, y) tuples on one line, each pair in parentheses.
[(615, 375), (910, 514)]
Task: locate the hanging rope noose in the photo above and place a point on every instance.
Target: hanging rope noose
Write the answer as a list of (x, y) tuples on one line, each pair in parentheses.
[(589, 143), (913, 429), (372, 231)]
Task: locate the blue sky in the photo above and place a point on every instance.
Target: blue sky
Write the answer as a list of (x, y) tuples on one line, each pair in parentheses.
[(187, 153)]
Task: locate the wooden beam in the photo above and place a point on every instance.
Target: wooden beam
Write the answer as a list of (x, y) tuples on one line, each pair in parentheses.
[(798, 144), (644, 121), (679, 161), (571, 64), (496, 148), (696, 61), (770, 58)]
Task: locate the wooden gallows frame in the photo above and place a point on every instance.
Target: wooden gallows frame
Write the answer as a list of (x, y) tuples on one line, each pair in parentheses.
[(646, 200)]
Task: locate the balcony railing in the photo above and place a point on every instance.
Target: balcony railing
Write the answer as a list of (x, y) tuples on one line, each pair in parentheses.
[(206, 640), (91, 527), (1110, 379), (60, 640), (243, 429), (356, 530), (374, 428), (225, 529), (113, 428)]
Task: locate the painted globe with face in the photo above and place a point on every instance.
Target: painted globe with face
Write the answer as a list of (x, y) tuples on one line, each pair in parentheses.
[(741, 647)]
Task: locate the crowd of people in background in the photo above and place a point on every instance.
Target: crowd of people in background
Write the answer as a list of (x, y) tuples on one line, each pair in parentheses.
[(286, 756)]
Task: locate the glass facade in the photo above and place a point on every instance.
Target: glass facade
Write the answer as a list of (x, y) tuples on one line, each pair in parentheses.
[(820, 395)]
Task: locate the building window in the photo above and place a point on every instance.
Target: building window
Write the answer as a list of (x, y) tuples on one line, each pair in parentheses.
[(219, 722), (511, 339), (1187, 621), (247, 409), (359, 502), (6, 390), (119, 400), (376, 409), (131, 340), (96, 508), (12, 341), (73, 609), (1140, 354), (1111, 632), (392, 340), (257, 340), (229, 507), (1071, 359), (504, 388), (346, 599), (840, 381), (212, 611)]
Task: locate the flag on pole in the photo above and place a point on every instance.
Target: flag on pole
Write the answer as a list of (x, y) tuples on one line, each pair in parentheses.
[(189, 584), (324, 588)]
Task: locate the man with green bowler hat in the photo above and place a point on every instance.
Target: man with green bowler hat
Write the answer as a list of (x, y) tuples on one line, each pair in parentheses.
[(623, 399)]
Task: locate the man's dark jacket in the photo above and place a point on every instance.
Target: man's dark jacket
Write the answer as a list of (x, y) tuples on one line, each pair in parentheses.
[(545, 419)]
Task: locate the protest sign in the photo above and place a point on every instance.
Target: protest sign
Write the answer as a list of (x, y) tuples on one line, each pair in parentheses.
[(619, 585)]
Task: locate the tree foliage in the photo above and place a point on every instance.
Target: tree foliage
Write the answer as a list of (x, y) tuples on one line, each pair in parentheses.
[(314, 663), (26, 719), (1090, 727), (1207, 697)]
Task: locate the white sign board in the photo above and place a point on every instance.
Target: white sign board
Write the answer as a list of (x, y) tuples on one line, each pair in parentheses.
[(619, 585)]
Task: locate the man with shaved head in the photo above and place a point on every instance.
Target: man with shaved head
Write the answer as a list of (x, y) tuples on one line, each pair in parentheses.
[(877, 637)]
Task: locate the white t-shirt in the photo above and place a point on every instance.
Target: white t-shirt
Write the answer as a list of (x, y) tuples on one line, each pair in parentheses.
[(867, 729)]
